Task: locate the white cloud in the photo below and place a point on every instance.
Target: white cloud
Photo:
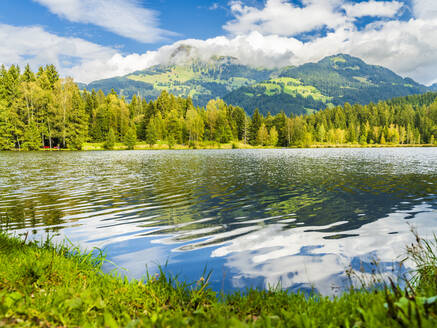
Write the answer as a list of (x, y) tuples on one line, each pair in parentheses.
[(426, 9), (407, 47), (283, 18), (123, 17), (36, 46), (214, 6), (373, 8), (84, 60)]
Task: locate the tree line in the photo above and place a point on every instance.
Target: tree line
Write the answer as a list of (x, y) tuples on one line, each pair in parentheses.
[(41, 110)]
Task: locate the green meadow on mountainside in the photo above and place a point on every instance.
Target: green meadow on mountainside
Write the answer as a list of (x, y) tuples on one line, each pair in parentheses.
[(332, 81), (202, 81)]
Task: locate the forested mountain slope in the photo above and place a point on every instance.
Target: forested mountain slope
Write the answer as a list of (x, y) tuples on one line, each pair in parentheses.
[(304, 89), (334, 80), (202, 81)]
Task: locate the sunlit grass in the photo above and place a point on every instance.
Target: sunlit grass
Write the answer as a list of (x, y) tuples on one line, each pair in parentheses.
[(46, 285), (163, 145)]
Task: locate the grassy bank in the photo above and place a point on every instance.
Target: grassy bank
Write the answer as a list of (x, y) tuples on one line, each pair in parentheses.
[(163, 146), (90, 146), (43, 285), (241, 145)]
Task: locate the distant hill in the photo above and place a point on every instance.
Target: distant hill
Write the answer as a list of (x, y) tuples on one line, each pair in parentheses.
[(332, 81), (433, 87), (202, 81), (303, 89)]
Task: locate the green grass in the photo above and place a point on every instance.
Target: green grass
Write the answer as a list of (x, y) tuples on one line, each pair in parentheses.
[(163, 145), (292, 87), (180, 74), (46, 285), (363, 80), (338, 59), (180, 80)]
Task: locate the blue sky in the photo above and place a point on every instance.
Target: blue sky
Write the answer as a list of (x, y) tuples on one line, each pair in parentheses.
[(187, 19), (92, 39)]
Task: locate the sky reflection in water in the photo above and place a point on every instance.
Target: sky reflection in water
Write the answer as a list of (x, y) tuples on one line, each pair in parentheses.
[(254, 217)]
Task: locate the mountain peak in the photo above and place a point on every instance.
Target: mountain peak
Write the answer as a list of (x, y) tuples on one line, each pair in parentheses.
[(341, 61), (186, 54), (183, 54)]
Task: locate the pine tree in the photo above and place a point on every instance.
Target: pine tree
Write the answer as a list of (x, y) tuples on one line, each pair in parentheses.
[(228, 135), (6, 128), (110, 140), (130, 138), (174, 128), (255, 126), (279, 121), (321, 132), (151, 133), (28, 75), (171, 141), (262, 136), (273, 137), (77, 123)]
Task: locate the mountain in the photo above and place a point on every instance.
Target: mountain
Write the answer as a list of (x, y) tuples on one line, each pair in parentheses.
[(332, 81), (279, 93), (202, 81), (433, 87), (302, 89)]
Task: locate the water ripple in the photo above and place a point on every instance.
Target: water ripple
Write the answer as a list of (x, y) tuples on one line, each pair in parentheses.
[(264, 215)]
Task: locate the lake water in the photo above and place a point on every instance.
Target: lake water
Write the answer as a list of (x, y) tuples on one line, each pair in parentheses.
[(299, 217)]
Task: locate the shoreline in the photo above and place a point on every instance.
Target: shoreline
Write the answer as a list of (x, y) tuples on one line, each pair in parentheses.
[(48, 285), (141, 146)]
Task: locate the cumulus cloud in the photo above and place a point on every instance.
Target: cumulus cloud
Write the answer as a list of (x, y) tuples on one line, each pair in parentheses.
[(373, 8), (123, 17), (407, 47), (283, 18), (426, 9), (84, 60)]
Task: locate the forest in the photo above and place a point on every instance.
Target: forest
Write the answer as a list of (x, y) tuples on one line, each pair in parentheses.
[(43, 111)]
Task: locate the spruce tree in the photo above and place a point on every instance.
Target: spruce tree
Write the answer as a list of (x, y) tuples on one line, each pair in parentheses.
[(28, 75), (77, 123), (110, 140), (6, 128), (255, 126), (151, 133), (262, 135), (130, 138)]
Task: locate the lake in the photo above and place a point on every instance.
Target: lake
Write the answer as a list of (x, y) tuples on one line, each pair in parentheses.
[(256, 218)]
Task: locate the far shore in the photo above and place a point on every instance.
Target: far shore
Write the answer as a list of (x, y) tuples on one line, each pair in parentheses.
[(163, 146), (234, 145)]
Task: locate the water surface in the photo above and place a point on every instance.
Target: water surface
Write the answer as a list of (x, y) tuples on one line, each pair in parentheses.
[(300, 217)]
